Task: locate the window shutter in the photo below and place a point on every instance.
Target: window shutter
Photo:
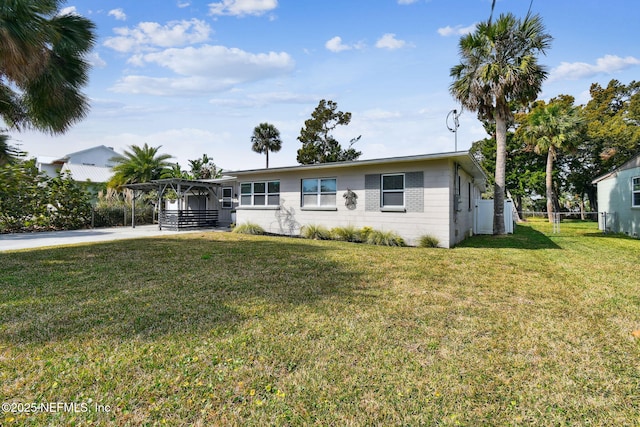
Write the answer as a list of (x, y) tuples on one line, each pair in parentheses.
[(414, 191), (372, 192)]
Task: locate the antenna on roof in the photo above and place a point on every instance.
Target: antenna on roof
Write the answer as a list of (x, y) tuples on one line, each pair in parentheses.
[(454, 115)]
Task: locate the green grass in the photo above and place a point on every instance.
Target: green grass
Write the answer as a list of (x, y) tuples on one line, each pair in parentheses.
[(228, 329)]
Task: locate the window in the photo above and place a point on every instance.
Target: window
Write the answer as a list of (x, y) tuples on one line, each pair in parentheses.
[(227, 197), (260, 193), (319, 192), (636, 192), (393, 190)]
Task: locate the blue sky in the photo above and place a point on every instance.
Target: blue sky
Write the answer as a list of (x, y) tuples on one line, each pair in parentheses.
[(197, 76)]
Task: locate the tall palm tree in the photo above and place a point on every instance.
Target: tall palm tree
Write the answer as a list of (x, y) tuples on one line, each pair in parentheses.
[(499, 66), (266, 138), (140, 164), (43, 65), (550, 128)]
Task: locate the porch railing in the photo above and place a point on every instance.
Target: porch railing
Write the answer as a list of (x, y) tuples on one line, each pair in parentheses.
[(178, 219)]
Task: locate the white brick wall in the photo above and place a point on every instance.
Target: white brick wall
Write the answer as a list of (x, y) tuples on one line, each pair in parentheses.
[(437, 218)]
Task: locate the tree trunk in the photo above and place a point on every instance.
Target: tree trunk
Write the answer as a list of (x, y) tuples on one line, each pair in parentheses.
[(501, 164), (549, 182), (592, 195)]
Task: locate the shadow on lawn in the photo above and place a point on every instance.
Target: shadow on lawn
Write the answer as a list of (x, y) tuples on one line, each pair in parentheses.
[(151, 287), (524, 237)]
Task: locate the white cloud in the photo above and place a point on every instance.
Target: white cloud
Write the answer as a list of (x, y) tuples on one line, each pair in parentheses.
[(183, 4), (407, 1), (205, 69), (250, 100), (118, 14), (168, 86), (335, 45), (150, 35), (94, 59), (458, 30), (606, 65), (389, 41), (71, 10), (242, 7), (220, 62), (379, 114)]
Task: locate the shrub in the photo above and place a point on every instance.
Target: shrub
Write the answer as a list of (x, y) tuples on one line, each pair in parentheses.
[(385, 238), (315, 232), (249, 228), (428, 241), (346, 234), (364, 233)]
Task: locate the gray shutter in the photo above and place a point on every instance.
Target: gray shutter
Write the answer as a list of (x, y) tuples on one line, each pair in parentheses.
[(372, 192), (414, 191)]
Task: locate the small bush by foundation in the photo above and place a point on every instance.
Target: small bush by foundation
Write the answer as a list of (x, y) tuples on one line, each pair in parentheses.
[(315, 232), (428, 241), (385, 238), (249, 228), (346, 234)]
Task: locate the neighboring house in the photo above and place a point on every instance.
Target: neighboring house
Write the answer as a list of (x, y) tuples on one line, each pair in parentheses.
[(432, 194), (619, 199), (90, 165)]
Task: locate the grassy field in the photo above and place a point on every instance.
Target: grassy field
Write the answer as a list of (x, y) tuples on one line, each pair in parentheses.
[(224, 329)]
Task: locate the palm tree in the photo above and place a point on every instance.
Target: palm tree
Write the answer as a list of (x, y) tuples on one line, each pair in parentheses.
[(140, 164), (204, 168), (550, 128), (8, 153), (266, 138), (498, 67), (43, 65)]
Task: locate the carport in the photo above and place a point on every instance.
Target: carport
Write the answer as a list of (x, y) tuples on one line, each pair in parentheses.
[(185, 215)]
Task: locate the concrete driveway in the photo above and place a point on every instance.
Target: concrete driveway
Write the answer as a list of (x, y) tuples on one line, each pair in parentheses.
[(17, 241)]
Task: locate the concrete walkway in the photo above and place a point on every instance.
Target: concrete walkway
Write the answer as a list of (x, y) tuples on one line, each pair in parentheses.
[(17, 241)]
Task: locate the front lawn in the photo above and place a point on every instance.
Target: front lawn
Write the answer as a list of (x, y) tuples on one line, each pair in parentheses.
[(225, 329)]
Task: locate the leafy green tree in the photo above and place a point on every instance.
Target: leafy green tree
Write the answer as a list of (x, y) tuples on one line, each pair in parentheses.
[(140, 164), (31, 201), (176, 171), (265, 138), (524, 173), (550, 128), (612, 117), (43, 65), (69, 204), (204, 168), (8, 153), (318, 144), (21, 196), (499, 65)]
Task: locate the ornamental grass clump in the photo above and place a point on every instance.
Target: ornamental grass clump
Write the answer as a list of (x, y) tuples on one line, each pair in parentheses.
[(385, 238), (428, 241), (346, 234), (249, 228), (315, 232)]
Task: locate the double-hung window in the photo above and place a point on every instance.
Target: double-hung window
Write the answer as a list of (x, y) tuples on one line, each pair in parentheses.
[(635, 189), (319, 192), (393, 191), (262, 193)]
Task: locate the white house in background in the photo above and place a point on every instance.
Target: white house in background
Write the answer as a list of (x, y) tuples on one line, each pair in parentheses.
[(619, 199), (431, 194), (93, 164)]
